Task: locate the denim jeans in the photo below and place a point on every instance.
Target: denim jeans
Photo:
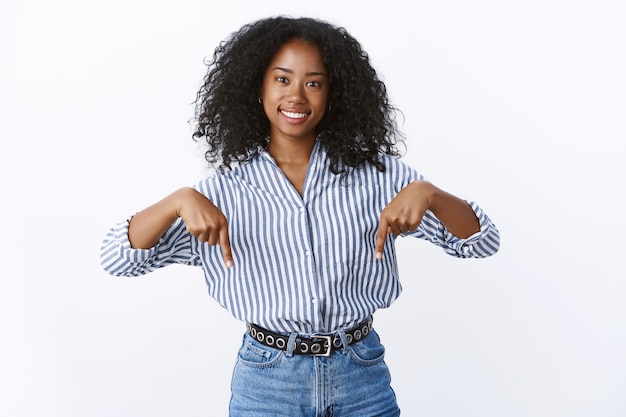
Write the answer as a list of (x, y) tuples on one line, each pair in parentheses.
[(352, 382)]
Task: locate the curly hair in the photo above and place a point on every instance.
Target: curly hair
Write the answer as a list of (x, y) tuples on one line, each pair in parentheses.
[(359, 125)]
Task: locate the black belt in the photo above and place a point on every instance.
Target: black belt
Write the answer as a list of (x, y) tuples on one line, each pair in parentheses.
[(314, 345)]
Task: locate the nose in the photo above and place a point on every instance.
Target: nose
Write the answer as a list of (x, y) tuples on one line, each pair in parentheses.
[(296, 93)]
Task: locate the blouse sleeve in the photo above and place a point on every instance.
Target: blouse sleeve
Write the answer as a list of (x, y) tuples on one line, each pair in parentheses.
[(118, 258), (481, 244)]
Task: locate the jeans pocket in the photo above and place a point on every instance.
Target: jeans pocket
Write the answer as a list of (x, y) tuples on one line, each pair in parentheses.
[(255, 355), (369, 351)]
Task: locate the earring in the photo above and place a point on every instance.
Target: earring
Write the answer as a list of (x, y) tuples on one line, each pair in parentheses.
[(260, 101)]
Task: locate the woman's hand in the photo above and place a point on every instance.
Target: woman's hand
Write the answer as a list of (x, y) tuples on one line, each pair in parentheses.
[(405, 213), (202, 219), (205, 221)]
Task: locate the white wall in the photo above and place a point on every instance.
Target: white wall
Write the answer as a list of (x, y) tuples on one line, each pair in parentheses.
[(519, 105)]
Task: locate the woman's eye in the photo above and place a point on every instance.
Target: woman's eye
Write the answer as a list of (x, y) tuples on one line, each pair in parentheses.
[(281, 79), (313, 84)]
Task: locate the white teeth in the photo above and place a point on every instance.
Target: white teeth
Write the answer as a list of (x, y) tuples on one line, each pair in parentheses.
[(293, 115)]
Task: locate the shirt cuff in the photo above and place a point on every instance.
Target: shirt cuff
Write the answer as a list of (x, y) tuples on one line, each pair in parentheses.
[(126, 251), (472, 246)]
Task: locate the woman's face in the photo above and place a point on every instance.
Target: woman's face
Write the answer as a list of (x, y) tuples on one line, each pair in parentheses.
[(294, 92)]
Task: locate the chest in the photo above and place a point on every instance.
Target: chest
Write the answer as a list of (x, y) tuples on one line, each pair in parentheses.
[(295, 174)]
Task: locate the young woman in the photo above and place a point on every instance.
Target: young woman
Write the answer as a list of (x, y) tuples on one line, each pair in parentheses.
[(294, 232)]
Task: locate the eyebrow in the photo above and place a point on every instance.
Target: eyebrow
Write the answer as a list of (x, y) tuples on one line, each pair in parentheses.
[(291, 71)]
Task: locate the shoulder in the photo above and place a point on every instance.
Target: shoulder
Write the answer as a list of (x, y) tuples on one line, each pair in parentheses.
[(395, 168), (226, 179)]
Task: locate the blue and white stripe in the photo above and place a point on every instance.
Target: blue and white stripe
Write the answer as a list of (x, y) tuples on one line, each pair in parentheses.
[(301, 263)]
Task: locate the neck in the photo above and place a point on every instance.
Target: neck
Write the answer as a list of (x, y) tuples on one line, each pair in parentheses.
[(292, 151)]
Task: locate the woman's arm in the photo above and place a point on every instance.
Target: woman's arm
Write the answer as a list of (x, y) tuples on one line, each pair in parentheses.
[(406, 211)]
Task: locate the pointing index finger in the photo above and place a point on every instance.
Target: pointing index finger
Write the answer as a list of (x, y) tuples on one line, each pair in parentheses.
[(226, 250), (381, 237)]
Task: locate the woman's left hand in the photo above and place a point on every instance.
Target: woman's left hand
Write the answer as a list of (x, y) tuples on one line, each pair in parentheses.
[(404, 213)]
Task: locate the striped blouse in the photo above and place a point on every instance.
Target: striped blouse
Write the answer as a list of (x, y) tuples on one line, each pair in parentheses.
[(301, 263)]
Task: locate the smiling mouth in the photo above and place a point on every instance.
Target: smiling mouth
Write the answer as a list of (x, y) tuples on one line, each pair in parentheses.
[(294, 115)]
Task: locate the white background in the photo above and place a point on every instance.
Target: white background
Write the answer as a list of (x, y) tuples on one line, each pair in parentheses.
[(519, 105)]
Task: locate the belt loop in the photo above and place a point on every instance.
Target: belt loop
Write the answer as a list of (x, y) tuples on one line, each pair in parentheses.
[(344, 340), (291, 344)]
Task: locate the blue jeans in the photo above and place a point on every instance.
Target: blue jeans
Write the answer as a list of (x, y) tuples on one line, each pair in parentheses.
[(352, 382)]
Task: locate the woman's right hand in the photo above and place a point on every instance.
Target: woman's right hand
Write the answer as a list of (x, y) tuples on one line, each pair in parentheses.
[(202, 219), (205, 221)]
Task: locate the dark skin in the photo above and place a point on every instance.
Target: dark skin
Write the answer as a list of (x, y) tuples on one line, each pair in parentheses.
[(294, 96)]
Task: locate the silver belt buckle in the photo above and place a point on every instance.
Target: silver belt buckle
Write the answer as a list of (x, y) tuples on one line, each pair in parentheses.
[(329, 345)]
